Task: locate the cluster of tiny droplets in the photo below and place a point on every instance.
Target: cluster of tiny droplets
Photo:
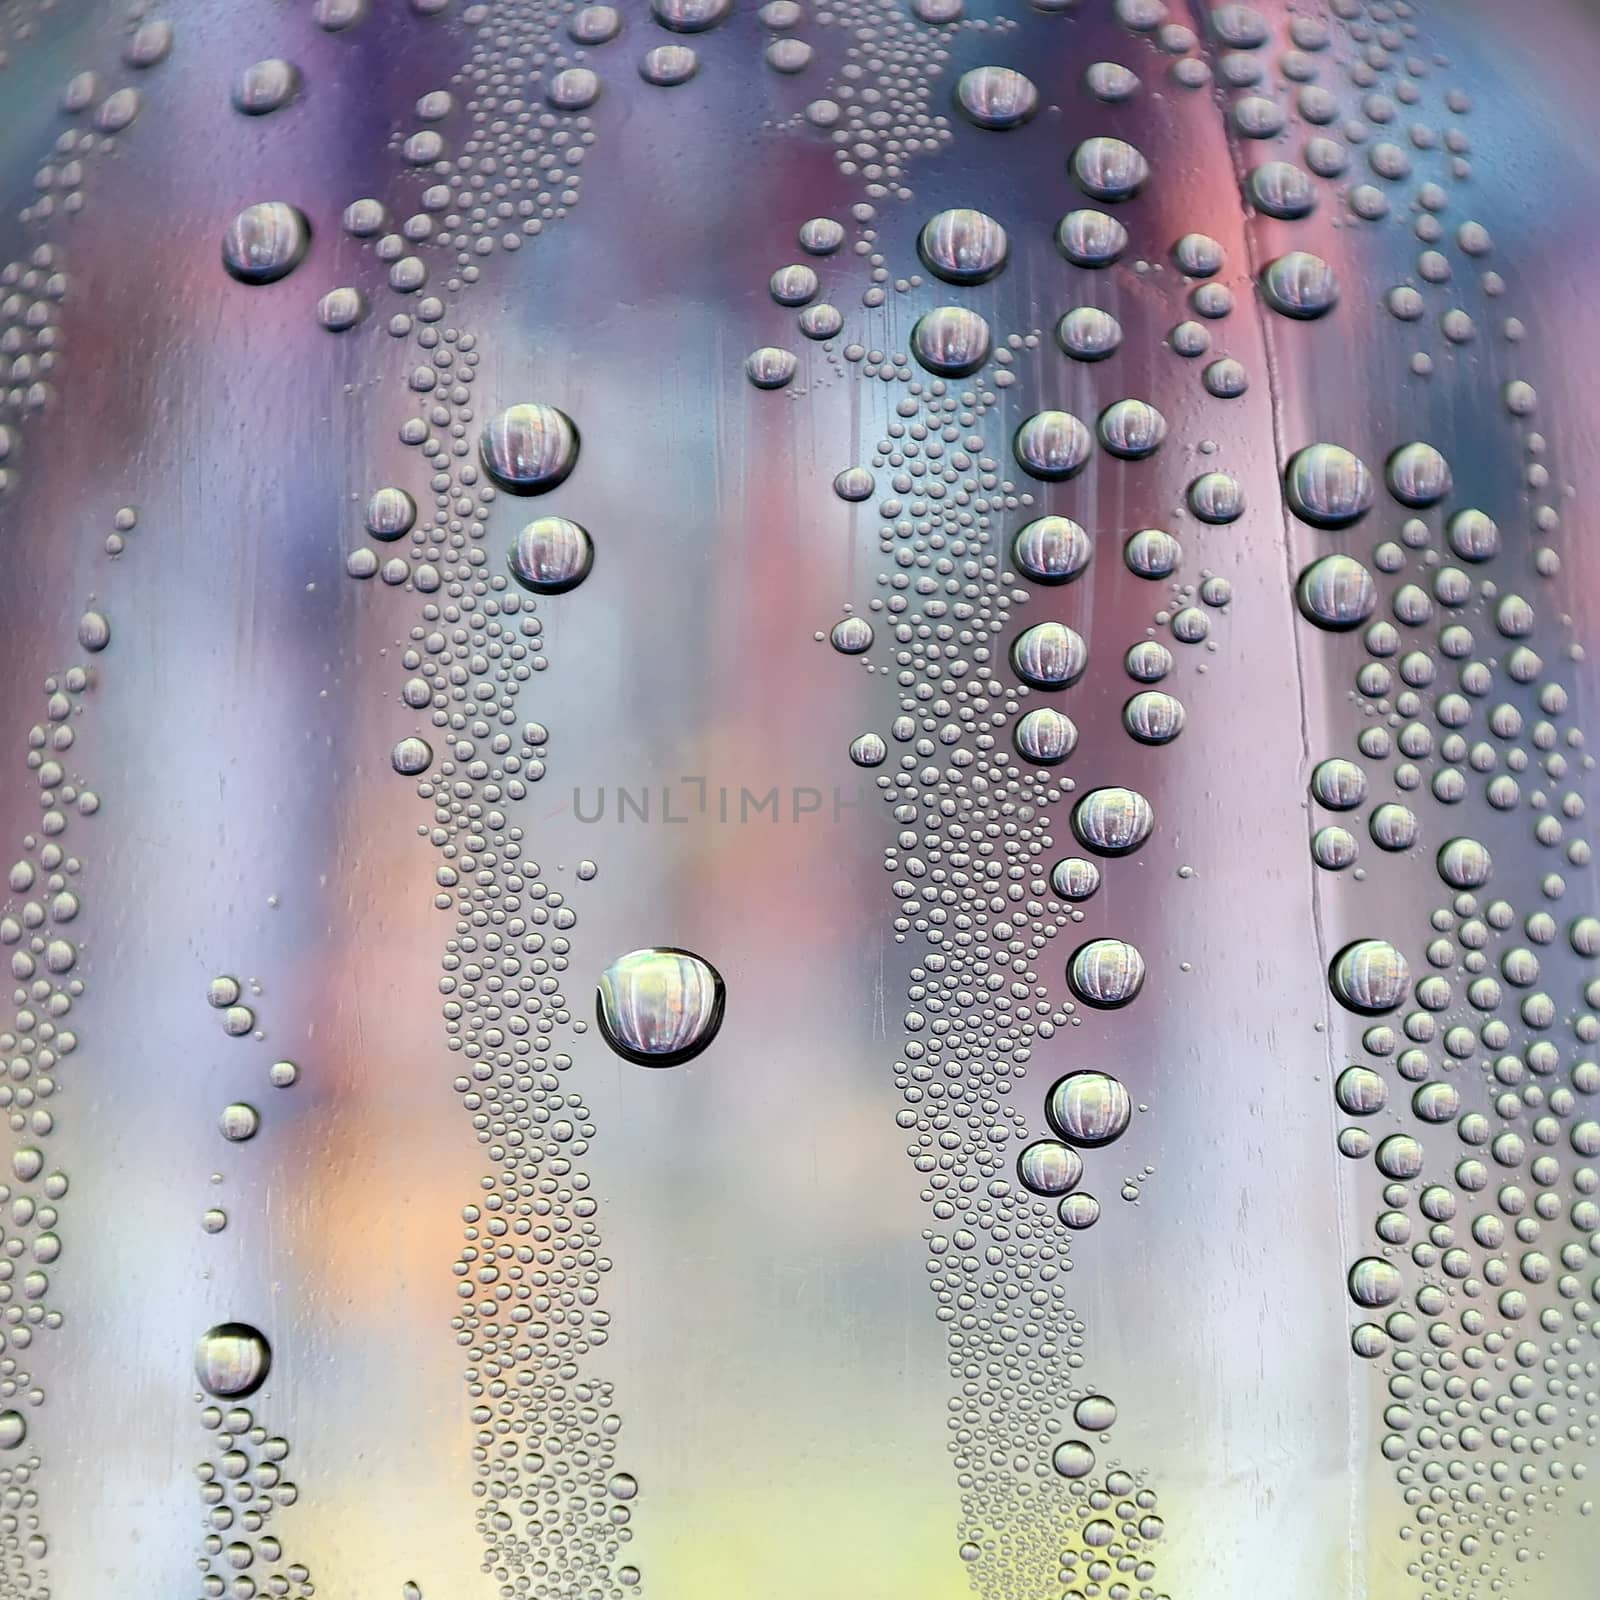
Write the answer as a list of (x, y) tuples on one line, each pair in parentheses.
[(31, 290), (553, 1508), (242, 1483), (975, 890), (1475, 1292), (878, 112), (37, 927), (967, 859)]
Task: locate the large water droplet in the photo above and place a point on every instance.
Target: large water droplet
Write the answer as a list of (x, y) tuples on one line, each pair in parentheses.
[(951, 341), (689, 16), (1089, 1108), (232, 1360), (963, 246), (265, 86), (1106, 973), (1112, 821), (1300, 285), (996, 97), (1369, 976), (1051, 550), (660, 1006), (1049, 655), (1091, 238), (1045, 736), (1336, 593), (1328, 486), (265, 242), (1050, 1167), (1109, 169), (551, 555), (529, 448), (1052, 445)]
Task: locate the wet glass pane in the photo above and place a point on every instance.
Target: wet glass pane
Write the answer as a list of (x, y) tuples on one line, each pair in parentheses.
[(798, 800)]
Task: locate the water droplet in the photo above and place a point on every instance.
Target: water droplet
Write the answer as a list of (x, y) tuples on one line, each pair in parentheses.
[(1045, 736), (13, 1429), (1328, 486), (1360, 1091), (149, 45), (963, 246), (1198, 255), (573, 89), (668, 65), (1473, 535), (117, 111), (362, 219), (821, 236), (1095, 1413), (1369, 976), (341, 309), (1148, 661), (770, 367), (265, 242), (1049, 655), (1418, 475), (1338, 784), (1091, 238), (1112, 821), (1074, 878), (1282, 190), (1090, 1108), (1078, 1210), (1464, 863), (659, 1007), (1088, 334), (529, 448), (689, 16), (851, 636), (1111, 82), (1225, 379), (1216, 497), (1374, 1282), (951, 341), (595, 25), (1051, 550), (1073, 1459), (391, 514), (1106, 973), (1052, 445), (1152, 553), (1337, 593), (232, 1360), (265, 86), (854, 483), (1132, 429), (551, 555), (239, 1122), (1049, 1167), (411, 757), (869, 750), (94, 632), (793, 286), (1300, 285), (996, 97), (1109, 169), (1154, 717)]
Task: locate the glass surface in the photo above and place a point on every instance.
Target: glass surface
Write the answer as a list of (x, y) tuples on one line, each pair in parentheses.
[(569, 1037)]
